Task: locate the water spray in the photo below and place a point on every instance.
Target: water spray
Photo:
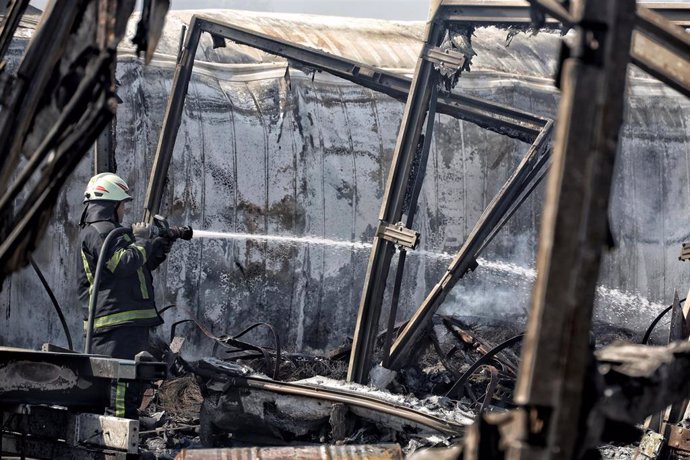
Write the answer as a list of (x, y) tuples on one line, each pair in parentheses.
[(281, 239)]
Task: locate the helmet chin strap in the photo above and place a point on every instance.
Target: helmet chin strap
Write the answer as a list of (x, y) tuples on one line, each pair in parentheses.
[(116, 217), (82, 219)]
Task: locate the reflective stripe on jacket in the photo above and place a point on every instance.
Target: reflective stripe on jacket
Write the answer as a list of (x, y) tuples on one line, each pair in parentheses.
[(125, 295)]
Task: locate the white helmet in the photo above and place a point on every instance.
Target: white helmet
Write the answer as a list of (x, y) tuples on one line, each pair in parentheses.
[(107, 186)]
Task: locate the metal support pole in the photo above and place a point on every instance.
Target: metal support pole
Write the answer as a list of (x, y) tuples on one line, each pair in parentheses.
[(171, 122), (382, 250), (14, 10), (556, 350), (414, 198)]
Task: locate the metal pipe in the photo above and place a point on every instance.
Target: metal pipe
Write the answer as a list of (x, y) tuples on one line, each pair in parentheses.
[(208, 369), (653, 324), (460, 383), (93, 298)]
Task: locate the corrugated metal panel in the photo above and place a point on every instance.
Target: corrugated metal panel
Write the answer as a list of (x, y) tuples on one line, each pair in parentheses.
[(370, 452), (388, 44), (377, 42)]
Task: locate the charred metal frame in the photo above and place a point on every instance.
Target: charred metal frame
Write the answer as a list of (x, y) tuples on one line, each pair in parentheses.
[(651, 30), (511, 122), (498, 118), (557, 385), (53, 147), (657, 48), (514, 123), (72, 53), (418, 94)]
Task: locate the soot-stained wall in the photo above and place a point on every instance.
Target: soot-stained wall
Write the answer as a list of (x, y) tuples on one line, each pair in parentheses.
[(259, 153)]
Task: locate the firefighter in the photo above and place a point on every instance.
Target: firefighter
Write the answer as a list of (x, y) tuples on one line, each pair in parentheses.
[(125, 310)]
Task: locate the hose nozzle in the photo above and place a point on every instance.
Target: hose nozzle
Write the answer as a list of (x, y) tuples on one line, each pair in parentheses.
[(161, 227)]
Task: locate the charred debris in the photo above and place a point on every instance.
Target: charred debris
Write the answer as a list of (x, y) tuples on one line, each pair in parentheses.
[(466, 388)]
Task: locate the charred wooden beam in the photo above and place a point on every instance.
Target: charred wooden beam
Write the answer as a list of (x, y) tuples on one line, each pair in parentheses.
[(556, 354)]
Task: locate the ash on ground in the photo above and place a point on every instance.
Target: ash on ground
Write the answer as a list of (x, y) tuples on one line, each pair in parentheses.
[(173, 412)]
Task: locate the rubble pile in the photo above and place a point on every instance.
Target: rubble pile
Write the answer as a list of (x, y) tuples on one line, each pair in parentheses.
[(466, 365), (230, 401), (170, 417)]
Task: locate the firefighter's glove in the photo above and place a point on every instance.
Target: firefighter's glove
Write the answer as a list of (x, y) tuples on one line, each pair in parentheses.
[(162, 244), (141, 230)]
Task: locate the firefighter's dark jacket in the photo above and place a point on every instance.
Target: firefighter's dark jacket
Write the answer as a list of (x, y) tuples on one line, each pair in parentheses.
[(125, 295)]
